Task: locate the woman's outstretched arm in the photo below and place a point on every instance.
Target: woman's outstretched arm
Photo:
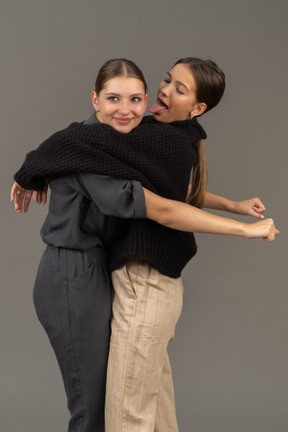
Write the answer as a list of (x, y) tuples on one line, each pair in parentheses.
[(251, 207), (184, 217)]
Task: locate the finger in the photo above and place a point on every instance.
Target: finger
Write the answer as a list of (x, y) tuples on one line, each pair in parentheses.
[(12, 192), (27, 200), (44, 197), (258, 210), (273, 232), (259, 206), (18, 202), (270, 237), (35, 196), (40, 197), (16, 192), (256, 214)]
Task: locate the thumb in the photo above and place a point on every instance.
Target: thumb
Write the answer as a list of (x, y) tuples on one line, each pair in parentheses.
[(256, 214)]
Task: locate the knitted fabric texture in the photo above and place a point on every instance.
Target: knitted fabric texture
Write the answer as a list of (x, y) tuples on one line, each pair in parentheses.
[(159, 156)]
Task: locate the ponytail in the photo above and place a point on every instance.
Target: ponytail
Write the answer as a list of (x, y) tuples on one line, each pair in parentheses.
[(199, 178)]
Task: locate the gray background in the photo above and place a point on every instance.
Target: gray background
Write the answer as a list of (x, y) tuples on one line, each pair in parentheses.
[(230, 356)]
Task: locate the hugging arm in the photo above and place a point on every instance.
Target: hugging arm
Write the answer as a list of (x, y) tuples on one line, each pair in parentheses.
[(81, 148)]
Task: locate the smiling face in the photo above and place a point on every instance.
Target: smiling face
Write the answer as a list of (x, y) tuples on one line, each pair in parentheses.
[(176, 99), (121, 103)]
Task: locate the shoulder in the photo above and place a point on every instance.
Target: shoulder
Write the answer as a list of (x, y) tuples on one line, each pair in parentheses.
[(89, 131), (191, 127)]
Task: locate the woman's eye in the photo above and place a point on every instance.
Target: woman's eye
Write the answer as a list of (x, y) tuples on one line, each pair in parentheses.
[(179, 91), (113, 98), (166, 80), (136, 99)]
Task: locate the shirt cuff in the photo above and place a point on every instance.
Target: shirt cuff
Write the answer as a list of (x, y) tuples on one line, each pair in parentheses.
[(139, 200)]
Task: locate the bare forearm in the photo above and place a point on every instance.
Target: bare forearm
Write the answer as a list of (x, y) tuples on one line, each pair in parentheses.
[(184, 217), (217, 202)]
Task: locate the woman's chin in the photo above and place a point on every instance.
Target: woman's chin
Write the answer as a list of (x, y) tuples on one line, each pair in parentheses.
[(162, 117)]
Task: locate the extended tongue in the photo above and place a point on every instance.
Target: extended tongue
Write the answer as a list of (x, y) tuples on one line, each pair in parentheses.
[(157, 108)]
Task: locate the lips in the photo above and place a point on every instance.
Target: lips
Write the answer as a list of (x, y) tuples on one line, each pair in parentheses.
[(159, 107), (123, 120)]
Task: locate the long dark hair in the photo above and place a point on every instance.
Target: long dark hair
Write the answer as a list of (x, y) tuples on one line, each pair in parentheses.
[(210, 86), (118, 67)]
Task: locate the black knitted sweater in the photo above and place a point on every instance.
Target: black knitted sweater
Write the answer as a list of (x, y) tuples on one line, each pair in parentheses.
[(158, 155)]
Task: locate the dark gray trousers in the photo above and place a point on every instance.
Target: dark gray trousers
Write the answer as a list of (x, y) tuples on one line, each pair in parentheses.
[(72, 298)]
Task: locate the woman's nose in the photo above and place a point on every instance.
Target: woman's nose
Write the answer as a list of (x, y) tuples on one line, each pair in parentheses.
[(124, 108), (165, 90)]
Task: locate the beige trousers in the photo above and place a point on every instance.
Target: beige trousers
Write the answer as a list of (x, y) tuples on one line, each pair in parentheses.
[(139, 392)]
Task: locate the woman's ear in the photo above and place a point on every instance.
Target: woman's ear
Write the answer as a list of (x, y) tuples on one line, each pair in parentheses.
[(198, 109), (146, 100), (94, 99)]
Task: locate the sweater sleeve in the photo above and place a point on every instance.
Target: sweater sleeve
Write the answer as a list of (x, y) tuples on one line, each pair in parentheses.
[(75, 150), (149, 153), (28, 182)]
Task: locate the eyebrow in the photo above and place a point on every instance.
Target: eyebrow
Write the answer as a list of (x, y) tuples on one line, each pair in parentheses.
[(178, 82), (117, 94)]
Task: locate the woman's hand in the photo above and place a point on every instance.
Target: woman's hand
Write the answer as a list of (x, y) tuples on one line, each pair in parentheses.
[(263, 229), (251, 207), (22, 197)]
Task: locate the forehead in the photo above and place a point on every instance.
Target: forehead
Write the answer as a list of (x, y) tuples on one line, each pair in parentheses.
[(124, 84), (183, 74)]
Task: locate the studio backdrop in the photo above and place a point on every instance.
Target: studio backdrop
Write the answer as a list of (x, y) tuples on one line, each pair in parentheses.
[(230, 353)]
